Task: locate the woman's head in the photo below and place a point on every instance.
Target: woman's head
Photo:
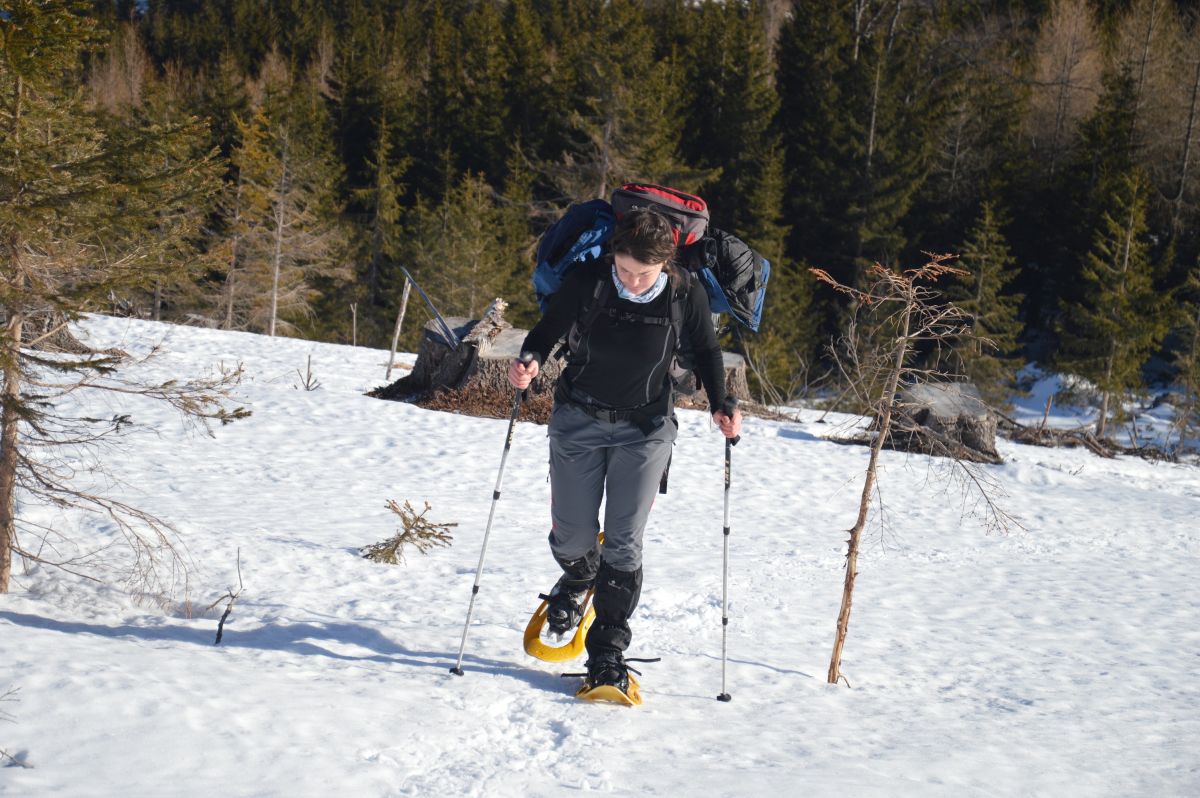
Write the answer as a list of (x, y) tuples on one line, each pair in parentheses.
[(643, 244), (644, 235)]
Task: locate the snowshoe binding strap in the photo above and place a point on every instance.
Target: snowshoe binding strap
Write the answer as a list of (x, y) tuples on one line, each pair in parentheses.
[(563, 610), (610, 679), (631, 696), (536, 647)]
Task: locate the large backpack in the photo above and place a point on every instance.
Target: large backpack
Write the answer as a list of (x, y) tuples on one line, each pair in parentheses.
[(580, 236), (734, 275)]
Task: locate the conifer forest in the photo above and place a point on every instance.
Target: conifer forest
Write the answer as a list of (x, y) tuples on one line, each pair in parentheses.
[(273, 165)]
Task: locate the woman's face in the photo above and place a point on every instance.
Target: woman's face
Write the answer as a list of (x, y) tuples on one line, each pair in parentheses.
[(637, 277)]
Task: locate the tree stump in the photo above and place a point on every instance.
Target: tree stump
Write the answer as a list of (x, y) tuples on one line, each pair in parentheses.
[(473, 378), (691, 397), (945, 419)]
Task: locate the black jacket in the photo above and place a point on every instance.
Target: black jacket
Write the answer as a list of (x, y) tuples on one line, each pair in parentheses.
[(624, 363)]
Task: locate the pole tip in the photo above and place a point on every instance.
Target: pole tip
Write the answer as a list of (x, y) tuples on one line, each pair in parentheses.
[(726, 697), (457, 671)]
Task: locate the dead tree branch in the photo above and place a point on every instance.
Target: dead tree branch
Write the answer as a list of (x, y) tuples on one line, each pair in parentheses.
[(229, 596)]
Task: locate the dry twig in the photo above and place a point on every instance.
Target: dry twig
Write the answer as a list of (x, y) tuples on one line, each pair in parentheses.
[(418, 531)]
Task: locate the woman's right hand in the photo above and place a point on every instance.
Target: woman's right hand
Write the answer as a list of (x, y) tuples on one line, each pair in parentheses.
[(521, 374)]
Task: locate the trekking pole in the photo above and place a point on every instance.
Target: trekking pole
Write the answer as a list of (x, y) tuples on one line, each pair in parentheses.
[(512, 422), (729, 409)]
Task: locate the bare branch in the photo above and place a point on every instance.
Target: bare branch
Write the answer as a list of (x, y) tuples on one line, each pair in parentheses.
[(232, 597)]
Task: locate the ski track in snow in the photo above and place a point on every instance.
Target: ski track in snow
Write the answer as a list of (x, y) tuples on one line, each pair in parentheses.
[(1058, 659)]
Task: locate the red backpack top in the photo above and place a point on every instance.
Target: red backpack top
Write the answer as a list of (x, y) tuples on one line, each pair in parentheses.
[(688, 213)]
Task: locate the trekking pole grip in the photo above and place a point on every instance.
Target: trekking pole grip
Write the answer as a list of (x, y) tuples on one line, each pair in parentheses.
[(525, 358), (728, 409)]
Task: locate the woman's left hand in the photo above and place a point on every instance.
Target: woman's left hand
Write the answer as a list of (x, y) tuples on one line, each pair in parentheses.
[(730, 427)]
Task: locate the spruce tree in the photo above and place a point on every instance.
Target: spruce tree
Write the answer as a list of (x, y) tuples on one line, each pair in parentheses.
[(1058, 212), (362, 55), (627, 121), (781, 353), (439, 103), (191, 33), (87, 211), (290, 209), (534, 93), (1060, 225), (381, 203), (730, 129), (1121, 318), (731, 125), (484, 126), (462, 61), (255, 28), (452, 247), (378, 205), (223, 100), (516, 241), (988, 357), (1107, 139), (977, 137), (130, 98), (857, 102)]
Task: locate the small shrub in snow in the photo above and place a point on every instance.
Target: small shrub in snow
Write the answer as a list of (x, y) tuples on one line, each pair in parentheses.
[(308, 380), (20, 759), (418, 531)]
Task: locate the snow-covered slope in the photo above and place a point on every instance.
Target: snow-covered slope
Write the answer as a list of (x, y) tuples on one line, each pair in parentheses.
[(1058, 660)]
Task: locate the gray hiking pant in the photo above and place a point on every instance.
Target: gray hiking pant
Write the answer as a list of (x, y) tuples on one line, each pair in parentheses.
[(593, 459)]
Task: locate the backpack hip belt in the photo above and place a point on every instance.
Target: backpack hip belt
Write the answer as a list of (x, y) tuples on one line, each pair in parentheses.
[(642, 416)]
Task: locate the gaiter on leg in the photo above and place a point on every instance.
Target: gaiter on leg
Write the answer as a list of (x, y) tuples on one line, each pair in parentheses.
[(617, 594), (580, 573)]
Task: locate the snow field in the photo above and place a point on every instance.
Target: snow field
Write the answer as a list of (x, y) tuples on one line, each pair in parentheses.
[(1056, 660)]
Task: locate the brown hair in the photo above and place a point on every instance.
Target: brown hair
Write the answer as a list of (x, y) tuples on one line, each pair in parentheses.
[(646, 236)]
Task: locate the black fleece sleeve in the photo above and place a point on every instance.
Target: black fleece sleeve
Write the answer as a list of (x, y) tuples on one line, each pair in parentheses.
[(565, 307), (706, 351)]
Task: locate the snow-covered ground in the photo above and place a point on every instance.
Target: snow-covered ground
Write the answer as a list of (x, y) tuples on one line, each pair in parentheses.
[(1058, 660)]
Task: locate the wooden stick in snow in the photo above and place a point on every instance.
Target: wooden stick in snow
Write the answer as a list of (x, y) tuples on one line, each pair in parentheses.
[(399, 324)]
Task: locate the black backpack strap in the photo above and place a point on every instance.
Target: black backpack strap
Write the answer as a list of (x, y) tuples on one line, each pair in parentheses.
[(636, 318), (679, 300), (600, 296)]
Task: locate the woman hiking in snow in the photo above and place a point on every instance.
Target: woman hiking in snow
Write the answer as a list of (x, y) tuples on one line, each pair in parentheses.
[(614, 424)]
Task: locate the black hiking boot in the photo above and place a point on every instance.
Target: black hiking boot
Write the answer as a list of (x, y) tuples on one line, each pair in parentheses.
[(608, 668), (565, 605)]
